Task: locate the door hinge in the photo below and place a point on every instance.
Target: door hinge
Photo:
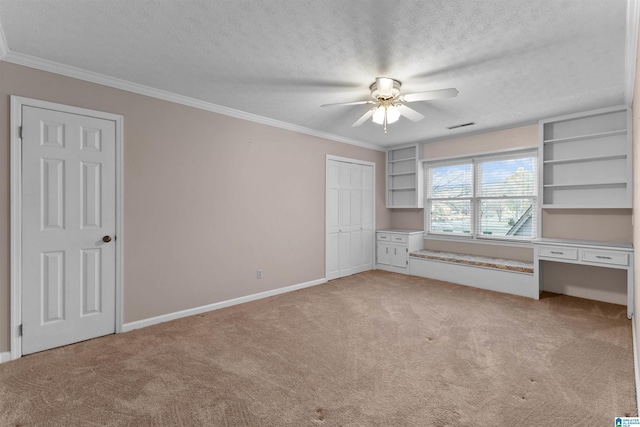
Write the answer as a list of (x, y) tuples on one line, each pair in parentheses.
[(20, 330), (20, 132), (407, 249)]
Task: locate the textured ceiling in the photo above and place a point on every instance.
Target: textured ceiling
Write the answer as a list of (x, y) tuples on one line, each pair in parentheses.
[(513, 61)]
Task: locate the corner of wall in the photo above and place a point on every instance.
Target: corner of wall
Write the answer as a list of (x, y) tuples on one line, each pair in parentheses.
[(633, 96)]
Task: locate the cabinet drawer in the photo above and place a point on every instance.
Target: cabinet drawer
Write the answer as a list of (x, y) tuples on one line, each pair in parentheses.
[(399, 238), (558, 252), (383, 236), (605, 257)]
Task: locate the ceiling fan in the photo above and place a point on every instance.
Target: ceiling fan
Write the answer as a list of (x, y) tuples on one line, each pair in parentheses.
[(389, 104)]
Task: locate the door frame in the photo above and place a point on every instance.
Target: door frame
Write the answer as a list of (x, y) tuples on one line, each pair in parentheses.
[(326, 206), (17, 103)]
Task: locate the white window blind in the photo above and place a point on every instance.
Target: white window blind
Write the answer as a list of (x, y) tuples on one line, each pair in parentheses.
[(483, 197)]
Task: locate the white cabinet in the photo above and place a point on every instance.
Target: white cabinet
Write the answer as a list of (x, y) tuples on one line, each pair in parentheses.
[(384, 252), (390, 254), (586, 160), (404, 177), (349, 218), (393, 248)]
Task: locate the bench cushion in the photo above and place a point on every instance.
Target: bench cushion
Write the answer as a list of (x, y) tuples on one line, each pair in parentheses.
[(475, 260)]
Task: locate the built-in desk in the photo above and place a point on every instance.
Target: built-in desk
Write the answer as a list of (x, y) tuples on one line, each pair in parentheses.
[(598, 254)]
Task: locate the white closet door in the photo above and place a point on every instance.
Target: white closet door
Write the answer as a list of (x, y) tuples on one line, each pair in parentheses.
[(367, 217), (349, 223), (333, 220), (345, 206), (357, 256)]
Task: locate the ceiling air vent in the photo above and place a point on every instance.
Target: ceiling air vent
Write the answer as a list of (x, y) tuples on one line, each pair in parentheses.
[(461, 125)]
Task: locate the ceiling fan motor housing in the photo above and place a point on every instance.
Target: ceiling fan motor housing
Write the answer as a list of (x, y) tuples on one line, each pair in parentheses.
[(385, 88)]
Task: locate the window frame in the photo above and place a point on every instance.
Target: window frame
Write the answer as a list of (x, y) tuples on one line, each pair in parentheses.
[(475, 200)]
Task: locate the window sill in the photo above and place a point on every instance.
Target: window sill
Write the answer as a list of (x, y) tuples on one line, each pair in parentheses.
[(480, 240)]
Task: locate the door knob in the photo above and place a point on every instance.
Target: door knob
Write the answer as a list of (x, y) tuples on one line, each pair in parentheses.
[(106, 239)]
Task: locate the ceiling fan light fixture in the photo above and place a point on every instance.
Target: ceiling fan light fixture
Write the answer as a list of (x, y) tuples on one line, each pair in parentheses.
[(386, 113), (378, 116), (393, 114)]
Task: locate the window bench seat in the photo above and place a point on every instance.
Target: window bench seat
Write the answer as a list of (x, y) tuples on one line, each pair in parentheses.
[(495, 274)]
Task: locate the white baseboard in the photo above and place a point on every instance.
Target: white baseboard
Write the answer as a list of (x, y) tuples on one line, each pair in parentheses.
[(216, 306), (5, 356)]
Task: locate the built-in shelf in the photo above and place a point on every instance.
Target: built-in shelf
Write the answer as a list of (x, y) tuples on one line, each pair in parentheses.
[(586, 160), (586, 184), (402, 160), (404, 173), (402, 188), (404, 177), (588, 136), (576, 206)]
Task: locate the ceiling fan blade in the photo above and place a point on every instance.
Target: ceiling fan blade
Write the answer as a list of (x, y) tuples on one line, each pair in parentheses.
[(348, 103), (429, 95), (364, 117), (409, 113)]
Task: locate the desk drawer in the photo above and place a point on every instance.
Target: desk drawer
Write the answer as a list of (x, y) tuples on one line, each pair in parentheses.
[(605, 257), (399, 238), (383, 236), (558, 252)]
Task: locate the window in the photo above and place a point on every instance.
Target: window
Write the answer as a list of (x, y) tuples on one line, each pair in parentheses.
[(491, 197)]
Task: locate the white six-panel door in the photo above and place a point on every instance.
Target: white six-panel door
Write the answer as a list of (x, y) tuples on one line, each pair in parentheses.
[(350, 216), (68, 226)]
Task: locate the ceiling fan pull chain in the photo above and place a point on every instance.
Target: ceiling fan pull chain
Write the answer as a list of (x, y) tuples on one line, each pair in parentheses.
[(385, 119)]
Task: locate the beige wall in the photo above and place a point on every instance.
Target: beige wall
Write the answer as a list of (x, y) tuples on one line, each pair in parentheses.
[(412, 219), (208, 199), (508, 139), (604, 225)]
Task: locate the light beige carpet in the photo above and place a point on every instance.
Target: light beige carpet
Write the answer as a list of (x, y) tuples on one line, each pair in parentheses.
[(374, 349)]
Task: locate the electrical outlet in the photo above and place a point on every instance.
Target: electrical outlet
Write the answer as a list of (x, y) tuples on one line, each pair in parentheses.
[(259, 274)]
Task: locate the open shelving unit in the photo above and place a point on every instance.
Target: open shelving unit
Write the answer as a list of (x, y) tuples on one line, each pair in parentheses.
[(404, 177), (586, 160)]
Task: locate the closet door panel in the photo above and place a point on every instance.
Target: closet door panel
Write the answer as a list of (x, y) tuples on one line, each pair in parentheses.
[(349, 218), (332, 258)]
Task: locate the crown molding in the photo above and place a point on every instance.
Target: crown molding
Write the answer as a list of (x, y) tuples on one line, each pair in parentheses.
[(631, 49), (4, 47), (90, 76)]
